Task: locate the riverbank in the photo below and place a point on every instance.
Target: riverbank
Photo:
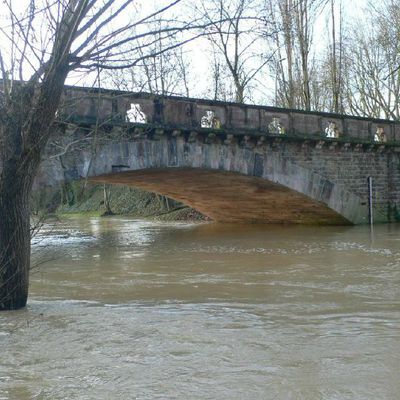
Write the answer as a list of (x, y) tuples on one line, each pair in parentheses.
[(78, 198)]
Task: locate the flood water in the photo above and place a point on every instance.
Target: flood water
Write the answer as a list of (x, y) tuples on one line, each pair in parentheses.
[(128, 309)]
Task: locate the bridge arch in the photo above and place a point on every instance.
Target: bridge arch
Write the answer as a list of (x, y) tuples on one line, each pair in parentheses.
[(324, 157), (225, 181)]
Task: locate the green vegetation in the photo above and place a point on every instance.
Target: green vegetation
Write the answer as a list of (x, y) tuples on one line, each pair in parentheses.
[(76, 198)]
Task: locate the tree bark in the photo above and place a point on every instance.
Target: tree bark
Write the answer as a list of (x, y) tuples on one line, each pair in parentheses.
[(19, 164), (25, 129), (14, 241)]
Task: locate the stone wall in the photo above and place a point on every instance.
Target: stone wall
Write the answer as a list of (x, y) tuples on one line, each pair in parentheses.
[(350, 166)]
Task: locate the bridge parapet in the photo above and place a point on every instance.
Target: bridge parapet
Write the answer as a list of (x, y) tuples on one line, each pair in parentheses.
[(88, 106)]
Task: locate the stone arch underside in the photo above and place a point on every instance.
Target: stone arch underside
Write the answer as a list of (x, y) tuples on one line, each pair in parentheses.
[(228, 196), (227, 182)]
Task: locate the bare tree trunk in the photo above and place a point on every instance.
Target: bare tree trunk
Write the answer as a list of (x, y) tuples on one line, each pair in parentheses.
[(14, 244), (107, 202), (302, 26), (15, 184), (239, 95), (335, 88), (25, 130), (286, 10)]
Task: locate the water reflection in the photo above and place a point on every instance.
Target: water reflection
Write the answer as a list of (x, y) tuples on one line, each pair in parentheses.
[(136, 309)]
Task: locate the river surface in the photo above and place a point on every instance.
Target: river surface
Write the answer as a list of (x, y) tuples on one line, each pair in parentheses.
[(130, 309)]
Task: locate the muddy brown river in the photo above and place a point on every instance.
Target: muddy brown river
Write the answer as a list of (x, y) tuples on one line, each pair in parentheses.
[(130, 309)]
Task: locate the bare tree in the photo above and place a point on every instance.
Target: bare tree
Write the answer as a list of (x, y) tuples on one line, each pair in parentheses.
[(222, 88), (330, 72), (293, 62), (166, 72), (335, 60), (40, 48), (373, 82), (235, 38)]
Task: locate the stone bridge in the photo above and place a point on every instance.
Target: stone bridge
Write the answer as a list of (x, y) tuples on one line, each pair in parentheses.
[(232, 162)]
